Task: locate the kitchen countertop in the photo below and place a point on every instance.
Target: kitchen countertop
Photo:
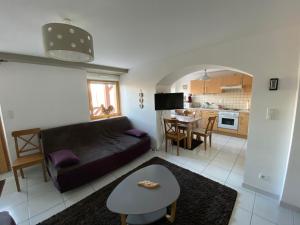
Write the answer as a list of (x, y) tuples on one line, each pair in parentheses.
[(218, 110)]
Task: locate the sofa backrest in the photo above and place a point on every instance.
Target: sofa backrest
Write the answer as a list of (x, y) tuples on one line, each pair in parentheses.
[(76, 135)]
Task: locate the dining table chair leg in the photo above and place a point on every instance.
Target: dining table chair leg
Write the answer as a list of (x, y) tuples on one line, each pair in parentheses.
[(177, 147), (22, 173), (210, 140), (44, 171), (17, 179), (166, 144), (205, 139)]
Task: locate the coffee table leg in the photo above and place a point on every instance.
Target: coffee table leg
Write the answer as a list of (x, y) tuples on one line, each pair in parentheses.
[(171, 217), (123, 219)]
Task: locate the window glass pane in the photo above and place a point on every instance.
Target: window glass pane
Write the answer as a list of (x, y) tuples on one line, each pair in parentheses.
[(104, 99)]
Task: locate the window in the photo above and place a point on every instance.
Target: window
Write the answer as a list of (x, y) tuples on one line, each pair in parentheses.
[(103, 99)]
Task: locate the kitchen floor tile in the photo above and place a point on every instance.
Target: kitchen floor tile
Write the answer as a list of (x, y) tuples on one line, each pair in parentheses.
[(296, 218), (78, 193), (235, 179), (256, 220), (217, 172), (270, 209), (240, 217), (46, 214), (43, 202), (19, 212)]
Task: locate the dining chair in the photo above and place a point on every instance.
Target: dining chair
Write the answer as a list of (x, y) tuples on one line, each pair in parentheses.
[(172, 133), (29, 152), (183, 127), (207, 132), (179, 112)]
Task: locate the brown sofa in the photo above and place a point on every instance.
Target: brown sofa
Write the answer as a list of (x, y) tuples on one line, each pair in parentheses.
[(102, 146)]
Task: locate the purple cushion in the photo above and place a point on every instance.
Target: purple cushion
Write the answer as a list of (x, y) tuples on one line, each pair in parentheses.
[(6, 219), (63, 158), (136, 132)]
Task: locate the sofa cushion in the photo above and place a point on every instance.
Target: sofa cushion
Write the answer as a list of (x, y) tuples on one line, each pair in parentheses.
[(63, 158), (136, 132)]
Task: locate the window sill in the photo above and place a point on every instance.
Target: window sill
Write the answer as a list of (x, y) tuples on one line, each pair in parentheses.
[(105, 117)]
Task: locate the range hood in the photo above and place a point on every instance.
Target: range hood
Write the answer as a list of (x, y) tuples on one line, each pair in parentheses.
[(232, 87)]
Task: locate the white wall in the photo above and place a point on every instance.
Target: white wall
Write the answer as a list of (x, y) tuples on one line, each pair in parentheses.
[(41, 96), (290, 195), (266, 55)]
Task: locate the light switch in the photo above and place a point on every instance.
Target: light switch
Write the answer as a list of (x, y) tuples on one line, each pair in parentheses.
[(270, 114)]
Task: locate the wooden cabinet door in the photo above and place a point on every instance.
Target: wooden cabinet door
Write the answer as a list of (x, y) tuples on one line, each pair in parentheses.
[(243, 124), (197, 86), (213, 86), (247, 83), (232, 80), (4, 161), (204, 119)]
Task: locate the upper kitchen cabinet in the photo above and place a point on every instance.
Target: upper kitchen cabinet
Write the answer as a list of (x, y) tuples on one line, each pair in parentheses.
[(197, 86), (232, 80), (213, 86), (247, 83)]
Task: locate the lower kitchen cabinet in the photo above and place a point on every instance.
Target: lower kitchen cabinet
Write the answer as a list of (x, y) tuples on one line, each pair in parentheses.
[(243, 124), (205, 115), (242, 130)]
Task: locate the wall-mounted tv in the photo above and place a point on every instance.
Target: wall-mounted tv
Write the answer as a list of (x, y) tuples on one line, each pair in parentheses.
[(168, 101)]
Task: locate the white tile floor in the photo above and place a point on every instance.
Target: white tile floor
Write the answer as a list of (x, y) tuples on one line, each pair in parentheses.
[(223, 163)]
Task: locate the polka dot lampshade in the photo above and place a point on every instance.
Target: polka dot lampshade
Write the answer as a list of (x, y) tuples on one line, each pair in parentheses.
[(67, 42)]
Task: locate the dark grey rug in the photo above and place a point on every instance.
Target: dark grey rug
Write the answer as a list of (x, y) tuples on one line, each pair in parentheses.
[(195, 144), (201, 202)]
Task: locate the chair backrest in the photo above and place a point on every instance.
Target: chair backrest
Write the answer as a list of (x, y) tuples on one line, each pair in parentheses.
[(210, 124), (171, 126), (27, 141), (189, 113), (179, 112)]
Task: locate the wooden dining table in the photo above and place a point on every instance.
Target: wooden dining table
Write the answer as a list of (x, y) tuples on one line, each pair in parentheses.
[(189, 121)]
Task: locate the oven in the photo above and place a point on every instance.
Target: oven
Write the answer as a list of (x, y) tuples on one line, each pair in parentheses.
[(228, 120)]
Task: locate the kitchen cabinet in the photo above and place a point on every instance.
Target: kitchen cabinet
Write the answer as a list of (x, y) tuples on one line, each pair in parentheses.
[(197, 87), (213, 86), (227, 131), (204, 119), (243, 123), (232, 80), (247, 83)]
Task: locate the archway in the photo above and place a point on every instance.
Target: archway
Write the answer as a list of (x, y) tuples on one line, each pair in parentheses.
[(190, 73), (165, 84)]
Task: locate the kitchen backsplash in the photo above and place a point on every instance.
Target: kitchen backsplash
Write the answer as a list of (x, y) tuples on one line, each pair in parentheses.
[(234, 99)]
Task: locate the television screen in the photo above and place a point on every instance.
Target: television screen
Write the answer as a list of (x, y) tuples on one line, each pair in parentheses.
[(168, 101)]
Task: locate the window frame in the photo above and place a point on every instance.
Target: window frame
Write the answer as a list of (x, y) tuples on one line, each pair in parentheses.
[(92, 117)]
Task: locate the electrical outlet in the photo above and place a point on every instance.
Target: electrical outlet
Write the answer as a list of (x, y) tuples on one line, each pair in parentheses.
[(264, 177)]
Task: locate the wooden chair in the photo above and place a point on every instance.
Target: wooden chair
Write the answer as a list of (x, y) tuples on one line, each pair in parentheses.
[(172, 133), (28, 152), (183, 127), (207, 132)]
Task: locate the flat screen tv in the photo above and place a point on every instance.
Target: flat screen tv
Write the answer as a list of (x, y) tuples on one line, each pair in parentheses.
[(168, 101)]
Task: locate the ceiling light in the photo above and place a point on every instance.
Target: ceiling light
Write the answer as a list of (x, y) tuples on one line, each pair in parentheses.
[(67, 42), (205, 76)]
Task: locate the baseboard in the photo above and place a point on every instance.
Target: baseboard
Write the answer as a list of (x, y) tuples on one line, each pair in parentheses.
[(289, 206), (258, 190), (230, 134)]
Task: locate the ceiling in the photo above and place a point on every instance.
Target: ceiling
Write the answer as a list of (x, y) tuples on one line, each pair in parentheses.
[(131, 32)]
